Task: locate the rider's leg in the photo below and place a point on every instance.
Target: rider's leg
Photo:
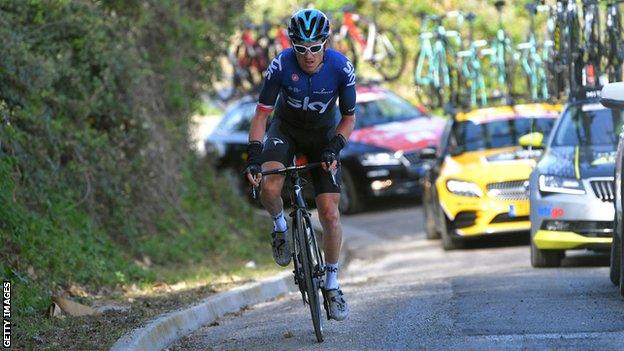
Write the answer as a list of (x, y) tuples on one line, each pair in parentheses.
[(327, 205), (271, 191), (271, 199)]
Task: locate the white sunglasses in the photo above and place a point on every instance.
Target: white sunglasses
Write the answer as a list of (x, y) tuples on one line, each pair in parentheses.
[(314, 49)]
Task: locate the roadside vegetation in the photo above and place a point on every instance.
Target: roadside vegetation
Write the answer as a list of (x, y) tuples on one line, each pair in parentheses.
[(100, 192)]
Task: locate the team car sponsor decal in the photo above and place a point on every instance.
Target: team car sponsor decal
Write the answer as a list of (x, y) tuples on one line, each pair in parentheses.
[(550, 212), (515, 155), (603, 158)]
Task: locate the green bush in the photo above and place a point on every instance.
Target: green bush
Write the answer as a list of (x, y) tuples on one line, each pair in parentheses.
[(96, 168)]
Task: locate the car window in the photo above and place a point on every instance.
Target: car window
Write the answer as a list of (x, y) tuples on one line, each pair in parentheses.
[(389, 108), (471, 136), (238, 119), (589, 127)]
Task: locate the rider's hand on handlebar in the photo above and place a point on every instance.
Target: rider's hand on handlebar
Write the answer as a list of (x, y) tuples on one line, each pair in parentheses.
[(328, 160), (254, 174)]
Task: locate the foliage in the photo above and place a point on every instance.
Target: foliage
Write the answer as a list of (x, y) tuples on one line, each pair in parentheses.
[(96, 170)]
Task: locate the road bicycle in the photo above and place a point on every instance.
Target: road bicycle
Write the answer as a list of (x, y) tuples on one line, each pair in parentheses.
[(309, 264), (382, 48), (501, 58), (242, 65), (473, 80), (592, 46), (531, 60), (568, 58), (434, 70), (613, 49), (273, 37)]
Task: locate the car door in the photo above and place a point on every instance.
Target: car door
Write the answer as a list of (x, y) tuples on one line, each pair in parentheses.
[(434, 171)]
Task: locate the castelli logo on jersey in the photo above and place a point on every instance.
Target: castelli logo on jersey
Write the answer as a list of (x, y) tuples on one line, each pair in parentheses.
[(294, 77)]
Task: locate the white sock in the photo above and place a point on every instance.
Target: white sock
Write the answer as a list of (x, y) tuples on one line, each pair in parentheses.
[(279, 222), (331, 276)]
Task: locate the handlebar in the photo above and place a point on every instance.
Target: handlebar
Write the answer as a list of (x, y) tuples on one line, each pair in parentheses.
[(292, 169)]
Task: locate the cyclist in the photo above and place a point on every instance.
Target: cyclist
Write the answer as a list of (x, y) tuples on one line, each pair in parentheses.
[(300, 88)]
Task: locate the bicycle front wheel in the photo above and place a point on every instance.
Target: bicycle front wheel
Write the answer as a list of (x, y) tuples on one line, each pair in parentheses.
[(310, 262)]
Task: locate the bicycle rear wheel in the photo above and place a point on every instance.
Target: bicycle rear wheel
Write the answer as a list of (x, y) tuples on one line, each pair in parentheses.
[(310, 261), (389, 54), (346, 46)]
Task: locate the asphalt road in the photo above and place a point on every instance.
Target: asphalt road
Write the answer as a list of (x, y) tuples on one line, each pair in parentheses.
[(406, 293)]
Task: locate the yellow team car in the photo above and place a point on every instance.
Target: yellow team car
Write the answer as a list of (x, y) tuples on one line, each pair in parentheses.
[(478, 184)]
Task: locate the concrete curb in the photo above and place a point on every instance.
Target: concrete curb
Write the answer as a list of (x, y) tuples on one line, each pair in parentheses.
[(170, 327)]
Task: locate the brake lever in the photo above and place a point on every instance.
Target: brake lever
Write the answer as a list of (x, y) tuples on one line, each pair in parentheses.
[(332, 175), (254, 192)]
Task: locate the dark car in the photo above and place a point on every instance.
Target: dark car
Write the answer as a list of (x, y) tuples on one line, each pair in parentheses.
[(613, 97), (382, 157)]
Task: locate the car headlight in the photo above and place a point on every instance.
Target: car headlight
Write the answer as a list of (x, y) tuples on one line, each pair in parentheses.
[(382, 159), (459, 187), (556, 184)]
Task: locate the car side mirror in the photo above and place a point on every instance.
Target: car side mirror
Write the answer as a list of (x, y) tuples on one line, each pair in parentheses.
[(534, 140), (612, 95), (428, 153)]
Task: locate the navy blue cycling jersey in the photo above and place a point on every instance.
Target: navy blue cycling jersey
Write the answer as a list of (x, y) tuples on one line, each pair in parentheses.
[(309, 100)]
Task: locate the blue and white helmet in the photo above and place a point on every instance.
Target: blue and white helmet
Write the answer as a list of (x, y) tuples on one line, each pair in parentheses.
[(308, 25)]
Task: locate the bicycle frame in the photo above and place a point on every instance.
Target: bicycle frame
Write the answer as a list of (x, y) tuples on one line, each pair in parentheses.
[(613, 47), (435, 55), (592, 43), (471, 66), (532, 61), (305, 249)]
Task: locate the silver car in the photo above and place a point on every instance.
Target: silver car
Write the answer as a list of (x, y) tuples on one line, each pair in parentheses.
[(571, 189)]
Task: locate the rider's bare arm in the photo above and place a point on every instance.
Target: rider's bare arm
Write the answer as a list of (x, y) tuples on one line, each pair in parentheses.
[(258, 124), (346, 125)]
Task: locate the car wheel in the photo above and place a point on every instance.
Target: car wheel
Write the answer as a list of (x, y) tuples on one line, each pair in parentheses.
[(620, 258), (614, 268), (350, 200), (450, 240), (430, 223), (545, 258)]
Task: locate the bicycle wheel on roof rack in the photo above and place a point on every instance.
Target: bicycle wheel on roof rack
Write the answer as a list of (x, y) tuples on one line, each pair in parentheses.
[(389, 54), (346, 46)]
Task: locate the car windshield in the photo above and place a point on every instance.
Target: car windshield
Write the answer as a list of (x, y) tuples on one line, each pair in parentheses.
[(471, 136), (237, 118), (589, 125), (389, 108)]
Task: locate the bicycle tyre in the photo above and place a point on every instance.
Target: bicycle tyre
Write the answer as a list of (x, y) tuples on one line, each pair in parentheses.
[(346, 46), (311, 285), (421, 89), (385, 67)]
